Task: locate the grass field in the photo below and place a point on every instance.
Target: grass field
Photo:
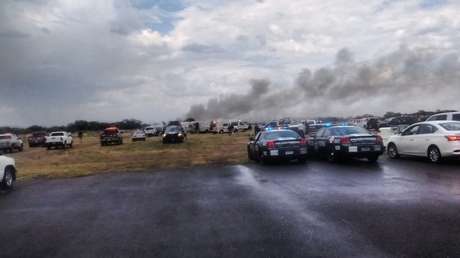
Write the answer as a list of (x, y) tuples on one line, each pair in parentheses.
[(89, 157)]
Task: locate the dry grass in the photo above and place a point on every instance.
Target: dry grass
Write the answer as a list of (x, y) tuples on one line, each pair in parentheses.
[(90, 158)]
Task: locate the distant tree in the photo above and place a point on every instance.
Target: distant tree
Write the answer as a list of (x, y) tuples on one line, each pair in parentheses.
[(391, 114), (129, 124), (35, 128)]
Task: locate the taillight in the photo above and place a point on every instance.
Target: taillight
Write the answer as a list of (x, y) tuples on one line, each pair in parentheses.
[(453, 138), (379, 139), (271, 145), (303, 141), (345, 140)]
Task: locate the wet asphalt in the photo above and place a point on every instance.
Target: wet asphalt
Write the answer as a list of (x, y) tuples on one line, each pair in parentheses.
[(402, 208)]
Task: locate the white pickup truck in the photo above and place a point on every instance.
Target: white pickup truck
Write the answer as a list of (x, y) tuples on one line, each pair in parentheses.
[(59, 139), (7, 172)]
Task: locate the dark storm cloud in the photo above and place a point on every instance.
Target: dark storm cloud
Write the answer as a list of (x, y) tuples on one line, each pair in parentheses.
[(400, 75)]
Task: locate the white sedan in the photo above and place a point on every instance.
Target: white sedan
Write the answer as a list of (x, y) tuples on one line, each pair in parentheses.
[(433, 139), (138, 135), (7, 172)]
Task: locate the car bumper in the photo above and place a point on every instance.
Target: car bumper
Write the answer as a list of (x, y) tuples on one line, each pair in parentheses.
[(110, 140), (54, 144), (359, 151), (286, 153)]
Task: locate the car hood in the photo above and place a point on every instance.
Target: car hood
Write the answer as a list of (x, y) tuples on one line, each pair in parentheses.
[(7, 160)]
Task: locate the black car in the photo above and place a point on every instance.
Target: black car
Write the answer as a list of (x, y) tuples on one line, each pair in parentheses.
[(338, 142), (277, 144), (173, 134)]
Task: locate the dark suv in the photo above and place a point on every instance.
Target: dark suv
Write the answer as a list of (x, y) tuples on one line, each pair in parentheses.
[(37, 139)]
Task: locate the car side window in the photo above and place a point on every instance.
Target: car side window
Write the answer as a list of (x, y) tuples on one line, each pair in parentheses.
[(439, 118), (426, 129), (456, 117), (411, 130)]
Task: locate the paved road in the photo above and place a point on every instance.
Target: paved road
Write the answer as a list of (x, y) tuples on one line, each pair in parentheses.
[(404, 208)]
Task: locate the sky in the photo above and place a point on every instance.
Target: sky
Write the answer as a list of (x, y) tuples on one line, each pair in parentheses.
[(158, 60)]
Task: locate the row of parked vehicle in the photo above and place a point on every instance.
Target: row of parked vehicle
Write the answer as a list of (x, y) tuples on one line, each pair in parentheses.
[(434, 139)]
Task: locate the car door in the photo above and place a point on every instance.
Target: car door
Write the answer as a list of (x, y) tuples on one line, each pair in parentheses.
[(406, 144), (423, 139), (321, 139), (254, 144)]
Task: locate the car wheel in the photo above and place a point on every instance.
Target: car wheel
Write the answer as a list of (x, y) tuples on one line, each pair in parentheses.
[(249, 154), (8, 179), (392, 151), (21, 148), (373, 158), (434, 154)]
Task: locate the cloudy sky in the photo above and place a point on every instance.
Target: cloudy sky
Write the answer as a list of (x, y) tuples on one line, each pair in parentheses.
[(62, 60)]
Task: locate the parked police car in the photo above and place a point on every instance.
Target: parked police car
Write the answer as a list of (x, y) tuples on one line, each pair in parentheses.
[(277, 144), (339, 142)]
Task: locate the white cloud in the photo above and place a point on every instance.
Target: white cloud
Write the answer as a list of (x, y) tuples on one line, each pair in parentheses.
[(105, 60)]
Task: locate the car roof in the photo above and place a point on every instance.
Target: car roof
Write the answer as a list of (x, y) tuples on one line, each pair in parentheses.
[(435, 122), (6, 134)]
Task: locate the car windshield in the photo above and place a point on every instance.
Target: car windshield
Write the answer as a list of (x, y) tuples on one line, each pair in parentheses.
[(57, 134), (340, 131), (5, 137), (172, 129), (452, 126), (273, 135), (110, 131)]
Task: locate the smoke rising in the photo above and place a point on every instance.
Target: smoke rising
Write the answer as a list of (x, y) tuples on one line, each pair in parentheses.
[(417, 78)]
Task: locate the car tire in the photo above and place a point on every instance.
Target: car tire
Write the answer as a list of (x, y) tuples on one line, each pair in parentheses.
[(21, 148), (434, 155), (8, 179), (250, 157), (372, 158), (392, 151)]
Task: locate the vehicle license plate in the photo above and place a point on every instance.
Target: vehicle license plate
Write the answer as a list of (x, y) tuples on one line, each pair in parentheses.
[(289, 153), (274, 153), (353, 149), (365, 149)]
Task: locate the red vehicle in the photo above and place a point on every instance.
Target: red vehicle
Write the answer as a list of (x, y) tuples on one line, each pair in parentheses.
[(111, 136)]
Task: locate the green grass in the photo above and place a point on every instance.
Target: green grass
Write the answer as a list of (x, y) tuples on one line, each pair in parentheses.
[(89, 157)]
